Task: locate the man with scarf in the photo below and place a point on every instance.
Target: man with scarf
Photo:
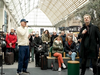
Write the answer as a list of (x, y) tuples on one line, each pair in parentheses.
[(90, 35), (11, 40)]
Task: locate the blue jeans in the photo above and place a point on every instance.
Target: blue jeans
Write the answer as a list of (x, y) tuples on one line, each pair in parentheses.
[(23, 58), (72, 55)]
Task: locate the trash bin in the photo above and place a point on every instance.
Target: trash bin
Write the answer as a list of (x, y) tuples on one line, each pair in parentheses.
[(73, 68)]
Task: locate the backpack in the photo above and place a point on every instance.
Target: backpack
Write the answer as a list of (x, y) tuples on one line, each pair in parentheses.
[(54, 65)]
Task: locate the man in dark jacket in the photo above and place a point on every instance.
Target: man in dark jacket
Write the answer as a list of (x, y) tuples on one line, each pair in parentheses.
[(32, 36), (63, 36), (53, 37), (89, 34)]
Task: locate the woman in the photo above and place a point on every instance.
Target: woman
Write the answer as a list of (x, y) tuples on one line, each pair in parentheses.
[(57, 51), (38, 43), (70, 47), (46, 40)]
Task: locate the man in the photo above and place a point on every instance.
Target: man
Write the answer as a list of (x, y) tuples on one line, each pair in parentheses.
[(63, 35), (89, 34), (54, 35), (32, 36), (23, 42)]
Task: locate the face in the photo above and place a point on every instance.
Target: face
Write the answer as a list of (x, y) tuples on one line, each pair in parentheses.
[(45, 32), (87, 19), (36, 35), (58, 39), (23, 24), (12, 30), (62, 33), (54, 33), (69, 38)]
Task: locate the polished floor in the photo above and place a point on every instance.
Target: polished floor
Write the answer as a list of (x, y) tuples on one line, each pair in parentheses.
[(11, 70)]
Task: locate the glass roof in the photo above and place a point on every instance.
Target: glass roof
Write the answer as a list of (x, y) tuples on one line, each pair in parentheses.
[(55, 10)]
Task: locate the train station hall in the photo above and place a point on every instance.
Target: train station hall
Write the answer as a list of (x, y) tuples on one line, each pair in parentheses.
[(49, 37)]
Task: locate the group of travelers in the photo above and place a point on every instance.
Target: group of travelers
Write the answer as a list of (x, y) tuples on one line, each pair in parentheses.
[(85, 43)]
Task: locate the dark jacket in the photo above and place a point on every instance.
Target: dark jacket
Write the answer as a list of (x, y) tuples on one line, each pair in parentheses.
[(57, 47), (89, 42), (72, 48), (32, 41), (63, 38), (37, 41), (52, 39)]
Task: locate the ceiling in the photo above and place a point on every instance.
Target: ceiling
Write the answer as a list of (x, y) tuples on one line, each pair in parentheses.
[(55, 10)]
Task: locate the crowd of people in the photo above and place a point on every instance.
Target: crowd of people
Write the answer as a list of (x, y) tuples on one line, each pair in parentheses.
[(85, 43)]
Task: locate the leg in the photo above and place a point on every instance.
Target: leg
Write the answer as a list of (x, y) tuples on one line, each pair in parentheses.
[(83, 66), (94, 65), (32, 53), (26, 59), (21, 58), (73, 55), (59, 56), (37, 59)]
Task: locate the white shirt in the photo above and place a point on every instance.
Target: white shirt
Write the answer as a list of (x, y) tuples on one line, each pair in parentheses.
[(22, 34)]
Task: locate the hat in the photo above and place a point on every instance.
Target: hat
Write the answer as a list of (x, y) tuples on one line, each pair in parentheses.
[(23, 20)]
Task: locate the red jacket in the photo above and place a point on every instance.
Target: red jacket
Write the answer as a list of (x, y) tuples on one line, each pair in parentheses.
[(11, 39)]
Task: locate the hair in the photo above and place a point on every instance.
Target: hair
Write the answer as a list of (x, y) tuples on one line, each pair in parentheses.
[(87, 15), (57, 38), (66, 39), (47, 33)]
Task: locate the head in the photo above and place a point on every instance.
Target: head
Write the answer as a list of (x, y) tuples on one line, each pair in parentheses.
[(87, 19), (70, 38), (75, 34), (47, 32), (54, 33), (23, 22), (36, 34), (12, 30), (62, 32), (58, 38), (33, 32)]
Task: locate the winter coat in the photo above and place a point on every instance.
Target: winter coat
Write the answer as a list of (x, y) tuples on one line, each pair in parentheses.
[(72, 48), (89, 41), (57, 47), (11, 39), (52, 39)]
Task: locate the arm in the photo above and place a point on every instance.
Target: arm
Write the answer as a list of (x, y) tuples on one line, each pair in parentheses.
[(74, 49), (7, 39), (55, 46), (22, 32), (66, 48), (15, 40)]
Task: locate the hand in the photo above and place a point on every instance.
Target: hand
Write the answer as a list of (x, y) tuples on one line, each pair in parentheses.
[(10, 44), (84, 31), (40, 46), (26, 26), (70, 53)]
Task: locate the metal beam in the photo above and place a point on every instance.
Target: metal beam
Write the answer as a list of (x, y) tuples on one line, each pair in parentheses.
[(39, 26)]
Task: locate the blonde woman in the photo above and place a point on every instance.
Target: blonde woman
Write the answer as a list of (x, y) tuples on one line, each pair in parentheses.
[(57, 51)]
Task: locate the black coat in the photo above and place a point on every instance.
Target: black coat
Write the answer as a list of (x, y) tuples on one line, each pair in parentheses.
[(37, 41), (52, 39), (72, 48), (31, 41), (63, 38), (93, 35)]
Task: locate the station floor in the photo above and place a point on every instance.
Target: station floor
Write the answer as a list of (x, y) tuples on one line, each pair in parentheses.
[(11, 70)]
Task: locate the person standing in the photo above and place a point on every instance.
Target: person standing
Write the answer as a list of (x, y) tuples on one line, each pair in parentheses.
[(90, 35), (23, 42)]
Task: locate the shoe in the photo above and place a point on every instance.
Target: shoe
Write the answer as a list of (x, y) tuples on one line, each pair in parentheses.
[(94, 74), (59, 69), (63, 65), (81, 74), (26, 72), (19, 73), (91, 69)]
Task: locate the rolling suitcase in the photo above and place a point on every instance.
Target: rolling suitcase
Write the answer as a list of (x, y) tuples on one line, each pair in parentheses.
[(43, 62), (9, 58)]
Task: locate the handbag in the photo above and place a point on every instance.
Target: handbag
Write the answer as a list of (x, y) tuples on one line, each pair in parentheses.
[(39, 49)]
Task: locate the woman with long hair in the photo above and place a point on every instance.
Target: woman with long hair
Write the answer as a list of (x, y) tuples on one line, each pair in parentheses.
[(57, 51)]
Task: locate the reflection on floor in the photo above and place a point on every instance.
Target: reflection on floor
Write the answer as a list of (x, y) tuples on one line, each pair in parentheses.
[(11, 70)]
